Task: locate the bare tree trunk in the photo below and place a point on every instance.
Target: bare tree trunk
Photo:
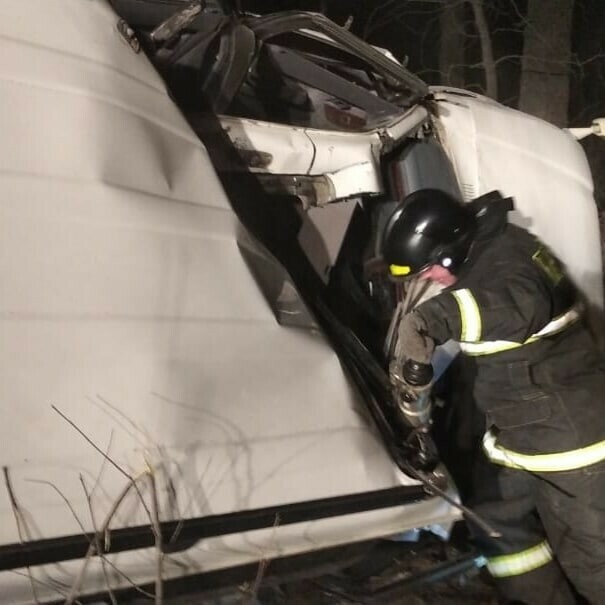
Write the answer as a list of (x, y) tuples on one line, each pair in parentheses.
[(545, 64), (489, 65), (453, 39)]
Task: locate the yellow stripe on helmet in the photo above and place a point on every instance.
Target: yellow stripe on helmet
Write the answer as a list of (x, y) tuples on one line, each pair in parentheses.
[(399, 270)]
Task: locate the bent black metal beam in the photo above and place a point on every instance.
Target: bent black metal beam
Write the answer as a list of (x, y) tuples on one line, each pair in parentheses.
[(182, 534), (209, 583)]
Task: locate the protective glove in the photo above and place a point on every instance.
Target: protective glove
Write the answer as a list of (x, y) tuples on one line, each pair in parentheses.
[(414, 342)]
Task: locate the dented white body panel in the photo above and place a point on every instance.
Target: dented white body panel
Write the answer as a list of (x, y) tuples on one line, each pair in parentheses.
[(131, 327), (127, 310), (541, 166)]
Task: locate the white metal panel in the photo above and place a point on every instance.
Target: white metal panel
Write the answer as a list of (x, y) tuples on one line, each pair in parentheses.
[(126, 304), (322, 232), (541, 166), (290, 149), (349, 160)]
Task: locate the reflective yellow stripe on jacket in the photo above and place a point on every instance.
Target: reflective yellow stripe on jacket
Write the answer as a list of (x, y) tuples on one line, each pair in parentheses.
[(543, 463), (470, 317), (520, 562)]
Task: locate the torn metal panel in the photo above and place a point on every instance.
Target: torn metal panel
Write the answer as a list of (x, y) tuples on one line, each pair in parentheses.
[(319, 166), (310, 190), (393, 133), (355, 180), (284, 149)]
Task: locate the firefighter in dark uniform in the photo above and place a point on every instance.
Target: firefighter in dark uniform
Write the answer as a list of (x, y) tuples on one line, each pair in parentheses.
[(539, 380)]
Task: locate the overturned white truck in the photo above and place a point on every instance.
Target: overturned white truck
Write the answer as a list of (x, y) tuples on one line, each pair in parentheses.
[(191, 342)]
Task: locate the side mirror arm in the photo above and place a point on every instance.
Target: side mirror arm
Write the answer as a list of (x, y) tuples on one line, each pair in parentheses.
[(597, 128)]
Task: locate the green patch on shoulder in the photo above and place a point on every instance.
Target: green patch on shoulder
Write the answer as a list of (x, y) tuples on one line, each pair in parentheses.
[(549, 264)]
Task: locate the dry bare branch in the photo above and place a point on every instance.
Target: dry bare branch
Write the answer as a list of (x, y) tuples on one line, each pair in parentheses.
[(91, 442), (139, 429), (109, 459), (100, 473), (64, 498), (92, 547), (129, 580), (95, 548), (381, 7), (116, 420), (48, 585), (20, 522), (157, 532), (262, 568), (97, 540)]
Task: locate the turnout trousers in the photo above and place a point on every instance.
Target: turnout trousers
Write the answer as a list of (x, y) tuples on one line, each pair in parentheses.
[(553, 530), (552, 519), (542, 481)]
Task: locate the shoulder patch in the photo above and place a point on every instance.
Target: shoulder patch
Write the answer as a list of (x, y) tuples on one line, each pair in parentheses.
[(549, 264)]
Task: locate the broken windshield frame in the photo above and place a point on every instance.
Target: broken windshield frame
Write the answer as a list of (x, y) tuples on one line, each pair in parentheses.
[(293, 68), (309, 72), (306, 23)]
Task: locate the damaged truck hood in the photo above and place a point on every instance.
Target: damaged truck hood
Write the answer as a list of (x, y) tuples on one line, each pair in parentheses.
[(128, 307)]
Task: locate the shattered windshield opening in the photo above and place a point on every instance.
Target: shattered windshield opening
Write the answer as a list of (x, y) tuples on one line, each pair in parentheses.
[(327, 53), (302, 80), (293, 68)]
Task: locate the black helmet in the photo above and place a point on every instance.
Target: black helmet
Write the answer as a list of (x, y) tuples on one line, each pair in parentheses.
[(429, 227)]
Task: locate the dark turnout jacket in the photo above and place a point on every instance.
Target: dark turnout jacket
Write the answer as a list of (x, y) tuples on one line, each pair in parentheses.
[(540, 379)]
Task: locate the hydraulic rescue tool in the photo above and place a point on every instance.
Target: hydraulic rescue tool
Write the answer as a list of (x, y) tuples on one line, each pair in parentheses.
[(412, 449), (411, 390)]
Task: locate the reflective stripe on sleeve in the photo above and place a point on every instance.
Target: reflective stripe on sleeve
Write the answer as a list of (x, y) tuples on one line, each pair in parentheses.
[(560, 322), (497, 346), (492, 346), (469, 315), (520, 562), (543, 463)]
